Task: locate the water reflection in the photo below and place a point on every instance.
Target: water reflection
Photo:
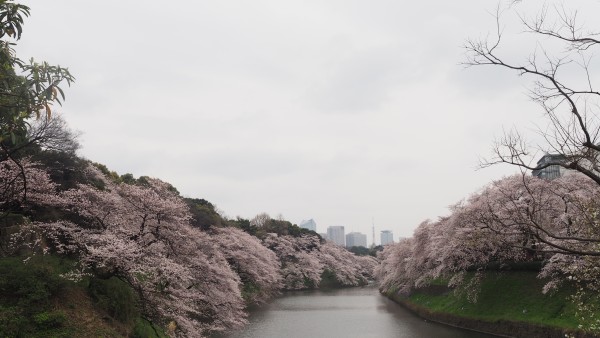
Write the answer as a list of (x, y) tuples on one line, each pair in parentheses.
[(353, 312)]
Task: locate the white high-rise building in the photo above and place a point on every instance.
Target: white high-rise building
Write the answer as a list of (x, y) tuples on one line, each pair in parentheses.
[(356, 239), (387, 237), (309, 224), (336, 234)]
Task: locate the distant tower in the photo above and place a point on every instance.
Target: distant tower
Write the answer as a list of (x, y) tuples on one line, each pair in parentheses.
[(373, 232)]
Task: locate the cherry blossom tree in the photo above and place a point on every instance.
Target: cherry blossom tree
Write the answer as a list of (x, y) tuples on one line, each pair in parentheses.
[(518, 218), (258, 267), (22, 185), (189, 281), (392, 271), (304, 259), (366, 266), (550, 216), (300, 267), (349, 269), (15, 192), (141, 234)]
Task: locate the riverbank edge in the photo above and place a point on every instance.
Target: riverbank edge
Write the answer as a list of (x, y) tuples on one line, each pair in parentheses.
[(501, 328)]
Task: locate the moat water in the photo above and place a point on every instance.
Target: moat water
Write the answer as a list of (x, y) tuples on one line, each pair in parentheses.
[(353, 312)]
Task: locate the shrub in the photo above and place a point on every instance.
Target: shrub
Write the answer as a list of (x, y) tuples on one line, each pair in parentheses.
[(115, 297), (49, 320), (145, 329)]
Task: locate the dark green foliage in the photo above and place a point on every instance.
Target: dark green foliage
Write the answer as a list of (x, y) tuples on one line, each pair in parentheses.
[(30, 291), (204, 214), (143, 181), (535, 266), (309, 283), (11, 321), (49, 320), (280, 227), (26, 291), (249, 289), (115, 297), (128, 178), (359, 250), (10, 219), (374, 250), (329, 280), (294, 230), (109, 174), (145, 329), (65, 169), (244, 224), (30, 285), (8, 225)]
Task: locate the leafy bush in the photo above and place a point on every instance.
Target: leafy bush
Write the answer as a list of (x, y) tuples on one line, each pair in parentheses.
[(329, 280), (30, 285), (115, 297), (26, 291), (145, 329), (10, 321), (49, 320)]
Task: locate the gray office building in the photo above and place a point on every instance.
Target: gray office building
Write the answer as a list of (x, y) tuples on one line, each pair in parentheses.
[(356, 239), (336, 234), (309, 224), (550, 171), (387, 237)]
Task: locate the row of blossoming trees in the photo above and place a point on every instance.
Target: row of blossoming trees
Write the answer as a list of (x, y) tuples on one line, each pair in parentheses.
[(188, 280), (516, 219)]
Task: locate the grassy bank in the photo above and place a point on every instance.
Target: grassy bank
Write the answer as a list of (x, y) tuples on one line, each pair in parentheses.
[(513, 296), (509, 303)]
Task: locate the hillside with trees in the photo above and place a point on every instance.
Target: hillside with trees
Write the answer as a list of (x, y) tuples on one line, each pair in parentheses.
[(85, 251)]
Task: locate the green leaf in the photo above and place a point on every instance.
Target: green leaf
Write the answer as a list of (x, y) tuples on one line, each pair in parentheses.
[(62, 94)]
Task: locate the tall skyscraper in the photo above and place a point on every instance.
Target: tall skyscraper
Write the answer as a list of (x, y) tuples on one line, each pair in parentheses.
[(309, 224), (336, 234), (356, 239), (387, 237)]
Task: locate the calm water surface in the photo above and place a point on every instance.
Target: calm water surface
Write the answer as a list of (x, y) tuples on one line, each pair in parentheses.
[(353, 312)]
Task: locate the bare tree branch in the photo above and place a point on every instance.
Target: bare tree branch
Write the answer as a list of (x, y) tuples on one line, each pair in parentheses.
[(574, 125)]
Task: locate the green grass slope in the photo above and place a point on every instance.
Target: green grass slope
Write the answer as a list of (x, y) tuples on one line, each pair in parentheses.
[(505, 296), (505, 299)]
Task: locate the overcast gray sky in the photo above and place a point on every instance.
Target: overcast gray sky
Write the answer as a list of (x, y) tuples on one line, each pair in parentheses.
[(341, 111)]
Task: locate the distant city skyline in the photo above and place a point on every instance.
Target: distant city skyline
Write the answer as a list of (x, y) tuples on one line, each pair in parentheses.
[(322, 230)]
